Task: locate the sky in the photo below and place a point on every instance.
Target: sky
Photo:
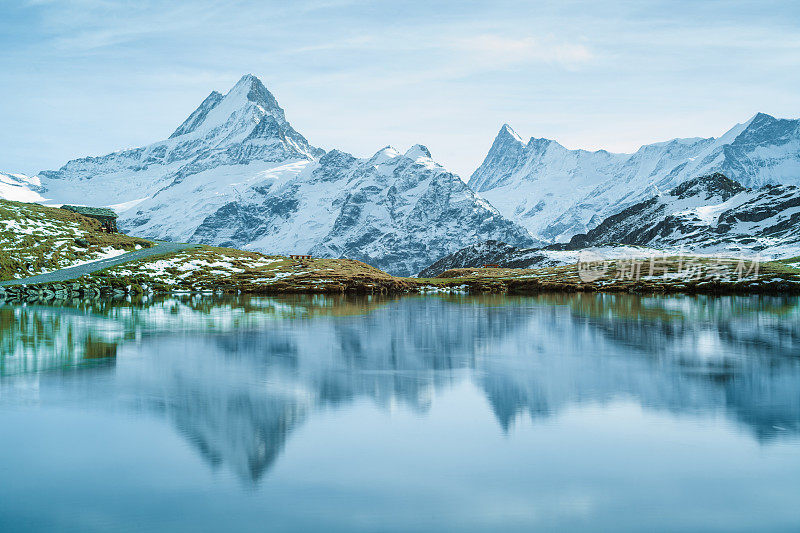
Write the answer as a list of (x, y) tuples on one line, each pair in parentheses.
[(88, 77)]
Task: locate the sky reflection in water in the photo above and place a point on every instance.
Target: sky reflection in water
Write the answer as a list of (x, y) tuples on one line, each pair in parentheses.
[(416, 414)]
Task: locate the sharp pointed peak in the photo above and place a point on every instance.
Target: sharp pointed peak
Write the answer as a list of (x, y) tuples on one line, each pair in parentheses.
[(251, 87), (762, 116), (248, 78), (417, 151), (384, 154), (507, 130), (248, 98), (760, 119), (749, 127)]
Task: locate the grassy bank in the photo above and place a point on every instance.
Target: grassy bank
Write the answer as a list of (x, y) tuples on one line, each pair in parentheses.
[(228, 270), (36, 239), (701, 275)]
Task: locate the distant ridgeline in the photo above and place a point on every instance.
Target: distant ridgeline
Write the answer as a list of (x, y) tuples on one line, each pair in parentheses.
[(557, 193)]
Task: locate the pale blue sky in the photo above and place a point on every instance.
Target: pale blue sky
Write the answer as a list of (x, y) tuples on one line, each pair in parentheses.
[(88, 77)]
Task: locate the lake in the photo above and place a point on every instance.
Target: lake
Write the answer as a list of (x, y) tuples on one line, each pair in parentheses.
[(579, 412)]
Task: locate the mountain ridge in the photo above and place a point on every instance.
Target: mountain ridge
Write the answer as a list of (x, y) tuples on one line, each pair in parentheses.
[(556, 192)]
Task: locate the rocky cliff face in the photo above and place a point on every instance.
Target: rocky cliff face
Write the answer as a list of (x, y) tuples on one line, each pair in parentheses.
[(236, 173), (557, 193), (711, 214), (396, 211)]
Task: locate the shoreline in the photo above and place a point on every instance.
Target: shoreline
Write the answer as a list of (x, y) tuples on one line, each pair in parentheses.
[(80, 290)]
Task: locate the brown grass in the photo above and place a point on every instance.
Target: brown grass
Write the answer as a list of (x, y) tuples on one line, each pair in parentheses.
[(259, 274), (251, 272), (772, 277)]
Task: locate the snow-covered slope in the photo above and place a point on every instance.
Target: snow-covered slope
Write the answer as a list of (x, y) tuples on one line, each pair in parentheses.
[(20, 188), (705, 215), (557, 193), (236, 173), (711, 214), (396, 211)]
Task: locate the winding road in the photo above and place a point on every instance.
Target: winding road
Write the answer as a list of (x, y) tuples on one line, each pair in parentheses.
[(68, 274)]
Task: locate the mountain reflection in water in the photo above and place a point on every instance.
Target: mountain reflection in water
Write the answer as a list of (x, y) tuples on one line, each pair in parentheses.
[(236, 375)]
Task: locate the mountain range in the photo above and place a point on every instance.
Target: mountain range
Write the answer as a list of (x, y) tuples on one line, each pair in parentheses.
[(236, 173), (556, 193), (712, 214)]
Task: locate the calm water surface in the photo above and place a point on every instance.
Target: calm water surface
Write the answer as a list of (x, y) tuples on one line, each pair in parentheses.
[(559, 412)]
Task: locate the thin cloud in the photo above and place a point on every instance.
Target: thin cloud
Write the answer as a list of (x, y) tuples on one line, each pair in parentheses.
[(501, 50)]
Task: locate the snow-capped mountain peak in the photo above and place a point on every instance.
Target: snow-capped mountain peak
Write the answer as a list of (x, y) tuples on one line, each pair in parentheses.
[(763, 126), (556, 192), (246, 126), (237, 114), (250, 89), (387, 153), (507, 130), (417, 151)]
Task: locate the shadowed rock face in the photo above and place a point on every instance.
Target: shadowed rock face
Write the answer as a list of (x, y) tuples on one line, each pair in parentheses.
[(708, 188), (708, 213), (238, 389)]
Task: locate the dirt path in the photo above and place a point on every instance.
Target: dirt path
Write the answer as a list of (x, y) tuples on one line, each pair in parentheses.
[(67, 274)]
